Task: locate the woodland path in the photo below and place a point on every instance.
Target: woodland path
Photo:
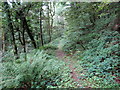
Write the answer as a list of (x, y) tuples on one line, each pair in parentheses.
[(71, 64), (61, 55)]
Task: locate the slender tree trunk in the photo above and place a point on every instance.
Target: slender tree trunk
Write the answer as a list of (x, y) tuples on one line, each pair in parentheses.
[(48, 24), (3, 42), (26, 27), (23, 34), (41, 34), (52, 13), (29, 32), (23, 42), (23, 38), (10, 25)]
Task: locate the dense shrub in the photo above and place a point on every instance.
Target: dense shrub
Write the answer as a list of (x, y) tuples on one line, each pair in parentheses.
[(55, 42), (46, 47), (40, 70), (77, 41), (49, 49)]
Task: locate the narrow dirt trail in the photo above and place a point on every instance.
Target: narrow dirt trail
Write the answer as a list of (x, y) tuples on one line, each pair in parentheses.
[(74, 75), (72, 66)]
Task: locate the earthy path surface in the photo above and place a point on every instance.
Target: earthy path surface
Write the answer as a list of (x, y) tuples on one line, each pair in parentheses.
[(74, 75)]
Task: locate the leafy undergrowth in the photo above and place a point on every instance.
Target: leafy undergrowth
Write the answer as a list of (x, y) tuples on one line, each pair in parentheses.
[(100, 62), (39, 70), (55, 42), (49, 49)]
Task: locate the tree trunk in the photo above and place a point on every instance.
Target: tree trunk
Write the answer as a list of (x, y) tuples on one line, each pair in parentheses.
[(41, 34), (26, 27), (52, 13), (48, 24), (3, 42), (10, 25)]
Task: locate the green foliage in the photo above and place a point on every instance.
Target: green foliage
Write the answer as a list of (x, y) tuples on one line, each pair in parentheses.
[(96, 47), (49, 49), (46, 47), (8, 56), (98, 83), (102, 58), (39, 71), (55, 42)]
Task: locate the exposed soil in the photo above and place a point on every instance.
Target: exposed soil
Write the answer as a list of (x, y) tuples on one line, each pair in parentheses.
[(74, 75)]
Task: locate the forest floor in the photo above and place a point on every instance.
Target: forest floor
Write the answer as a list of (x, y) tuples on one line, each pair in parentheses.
[(76, 71), (72, 66)]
